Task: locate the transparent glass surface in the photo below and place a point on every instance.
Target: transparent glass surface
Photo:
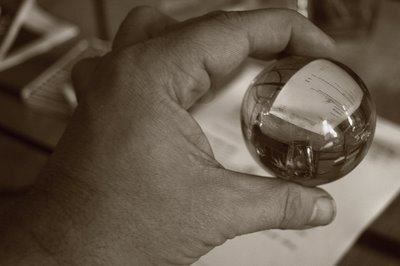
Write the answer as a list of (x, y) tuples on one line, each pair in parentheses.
[(308, 120)]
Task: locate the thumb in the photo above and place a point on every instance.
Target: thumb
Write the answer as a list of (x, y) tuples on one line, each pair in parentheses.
[(260, 203)]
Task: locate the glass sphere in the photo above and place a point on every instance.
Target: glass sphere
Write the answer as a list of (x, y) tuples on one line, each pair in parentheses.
[(308, 120)]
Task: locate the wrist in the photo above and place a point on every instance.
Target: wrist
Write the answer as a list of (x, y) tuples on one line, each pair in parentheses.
[(62, 221)]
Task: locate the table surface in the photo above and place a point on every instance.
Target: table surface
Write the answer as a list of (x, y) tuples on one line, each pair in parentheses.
[(27, 137)]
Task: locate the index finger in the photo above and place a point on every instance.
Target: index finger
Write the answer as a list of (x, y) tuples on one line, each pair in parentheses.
[(227, 38), (216, 44)]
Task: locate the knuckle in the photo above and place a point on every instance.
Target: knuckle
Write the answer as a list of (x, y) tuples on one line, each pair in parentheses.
[(230, 25), (140, 55), (291, 199), (290, 17), (228, 18), (287, 13)]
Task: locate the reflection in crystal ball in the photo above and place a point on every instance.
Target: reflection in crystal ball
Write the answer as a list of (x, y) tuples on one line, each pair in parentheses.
[(308, 120)]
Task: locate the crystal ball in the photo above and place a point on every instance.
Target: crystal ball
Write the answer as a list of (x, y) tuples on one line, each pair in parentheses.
[(308, 120)]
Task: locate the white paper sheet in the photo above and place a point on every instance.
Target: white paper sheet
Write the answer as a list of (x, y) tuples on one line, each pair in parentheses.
[(360, 196), (335, 95)]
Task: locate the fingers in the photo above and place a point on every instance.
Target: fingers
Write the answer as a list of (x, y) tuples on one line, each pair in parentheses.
[(216, 44), (141, 24), (256, 203), (290, 33), (229, 37)]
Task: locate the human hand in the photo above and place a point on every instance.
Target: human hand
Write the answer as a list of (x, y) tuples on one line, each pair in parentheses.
[(141, 178)]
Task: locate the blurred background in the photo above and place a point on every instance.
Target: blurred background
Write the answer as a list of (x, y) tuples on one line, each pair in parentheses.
[(366, 30), (41, 40)]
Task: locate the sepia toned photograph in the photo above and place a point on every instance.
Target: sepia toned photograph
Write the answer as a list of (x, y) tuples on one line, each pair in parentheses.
[(199, 132)]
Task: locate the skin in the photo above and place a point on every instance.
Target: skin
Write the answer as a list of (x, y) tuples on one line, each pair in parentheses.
[(134, 180)]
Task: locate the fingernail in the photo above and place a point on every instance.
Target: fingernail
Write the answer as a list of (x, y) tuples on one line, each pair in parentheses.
[(323, 213)]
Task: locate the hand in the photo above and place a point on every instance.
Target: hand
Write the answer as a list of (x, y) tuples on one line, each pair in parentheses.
[(134, 175)]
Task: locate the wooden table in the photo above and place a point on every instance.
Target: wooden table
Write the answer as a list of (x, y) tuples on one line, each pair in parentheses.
[(27, 138)]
